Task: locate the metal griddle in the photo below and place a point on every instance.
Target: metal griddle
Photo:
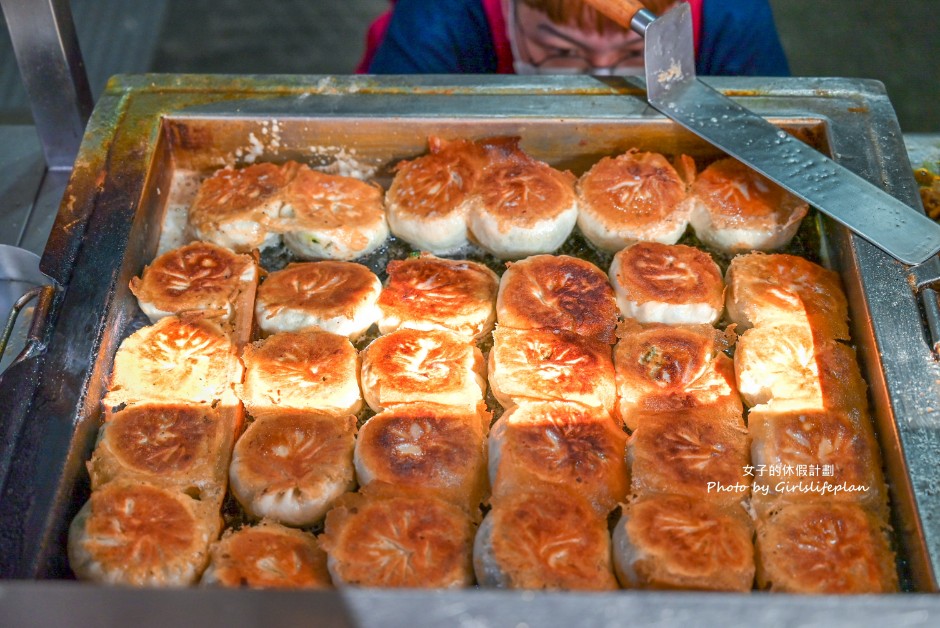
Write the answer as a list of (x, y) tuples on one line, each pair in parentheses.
[(145, 128)]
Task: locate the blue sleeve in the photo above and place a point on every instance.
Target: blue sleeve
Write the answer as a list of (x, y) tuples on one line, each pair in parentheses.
[(436, 37), (739, 38)]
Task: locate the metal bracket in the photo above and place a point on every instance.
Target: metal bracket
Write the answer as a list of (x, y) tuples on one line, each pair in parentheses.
[(925, 281), (35, 337), (53, 72)]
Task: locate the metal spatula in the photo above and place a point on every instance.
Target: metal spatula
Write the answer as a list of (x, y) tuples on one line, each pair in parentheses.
[(672, 89)]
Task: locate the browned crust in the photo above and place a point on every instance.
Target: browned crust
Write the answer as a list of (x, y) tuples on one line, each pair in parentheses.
[(824, 548), (233, 194), (550, 539), (438, 183), (187, 359), (413, 365), (306, 367), (737, 196), (814, 449), (669, 273), (427, 446), (681, 452), (292, 449), (327, 288), (631, 190), (322, 201), (398, 539), (269, 555), (135, 531), (669, 367), (456, 294), (787, 288), (683, 542), (558, 292), (551, 365), (198, 276), (518, 190), (566, 444)]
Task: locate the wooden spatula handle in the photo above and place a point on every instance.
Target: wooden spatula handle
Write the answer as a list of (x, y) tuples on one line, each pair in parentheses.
[(620, 11)]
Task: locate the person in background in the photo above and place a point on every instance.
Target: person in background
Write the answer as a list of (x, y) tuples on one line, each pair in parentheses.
[(731, 37)]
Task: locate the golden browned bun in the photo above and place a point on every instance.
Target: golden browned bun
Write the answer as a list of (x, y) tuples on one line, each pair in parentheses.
[(543, 538), (669, 367), (426, 446), (824, 548), (557, 292), (547, 365), (198, 277), (426, 201), (411, 365), (333, 217), (186, 446), (560, 443), (634, 197), (313, 371), (132, 533), (828, 455), (676, 542), (771, 289), (188, 359), (522, 206), (697, 452), (428, 292), (388, 538), (267, 556), (787, 362), (240, 209), (661, 283), (338, 297), (291, 467), (735, 209)]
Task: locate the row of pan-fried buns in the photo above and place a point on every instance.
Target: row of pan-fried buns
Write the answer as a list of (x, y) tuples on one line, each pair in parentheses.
[(551, 469)]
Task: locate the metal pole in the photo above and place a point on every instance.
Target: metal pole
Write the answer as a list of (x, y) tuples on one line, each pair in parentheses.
[(50, 62)]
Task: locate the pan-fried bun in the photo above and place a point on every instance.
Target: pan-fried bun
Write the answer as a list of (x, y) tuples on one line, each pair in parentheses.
[(291, 467), (824, 547), (829, 455), (426, 201), (333, 217), (557, 292), (669, 367), (181, 445), (543, 538), (132, 533), (399, 539), (661, 283), (186, 359), (198, 277), (522, 206), (634, 197), (698, 452), (312, 371), (736, 210), (675, 542), (770, 289), (546, 365), (426, 446), (267, 556), (240, 209), (427, 292), (790, 363), (560, 443), (410, 365), (338, 297)]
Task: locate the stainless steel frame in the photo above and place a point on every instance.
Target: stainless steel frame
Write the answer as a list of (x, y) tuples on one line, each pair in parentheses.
[(145, 126)]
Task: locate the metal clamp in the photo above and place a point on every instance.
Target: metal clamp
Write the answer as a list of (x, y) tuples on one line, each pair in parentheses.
[(925, 281), (35, 337)]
